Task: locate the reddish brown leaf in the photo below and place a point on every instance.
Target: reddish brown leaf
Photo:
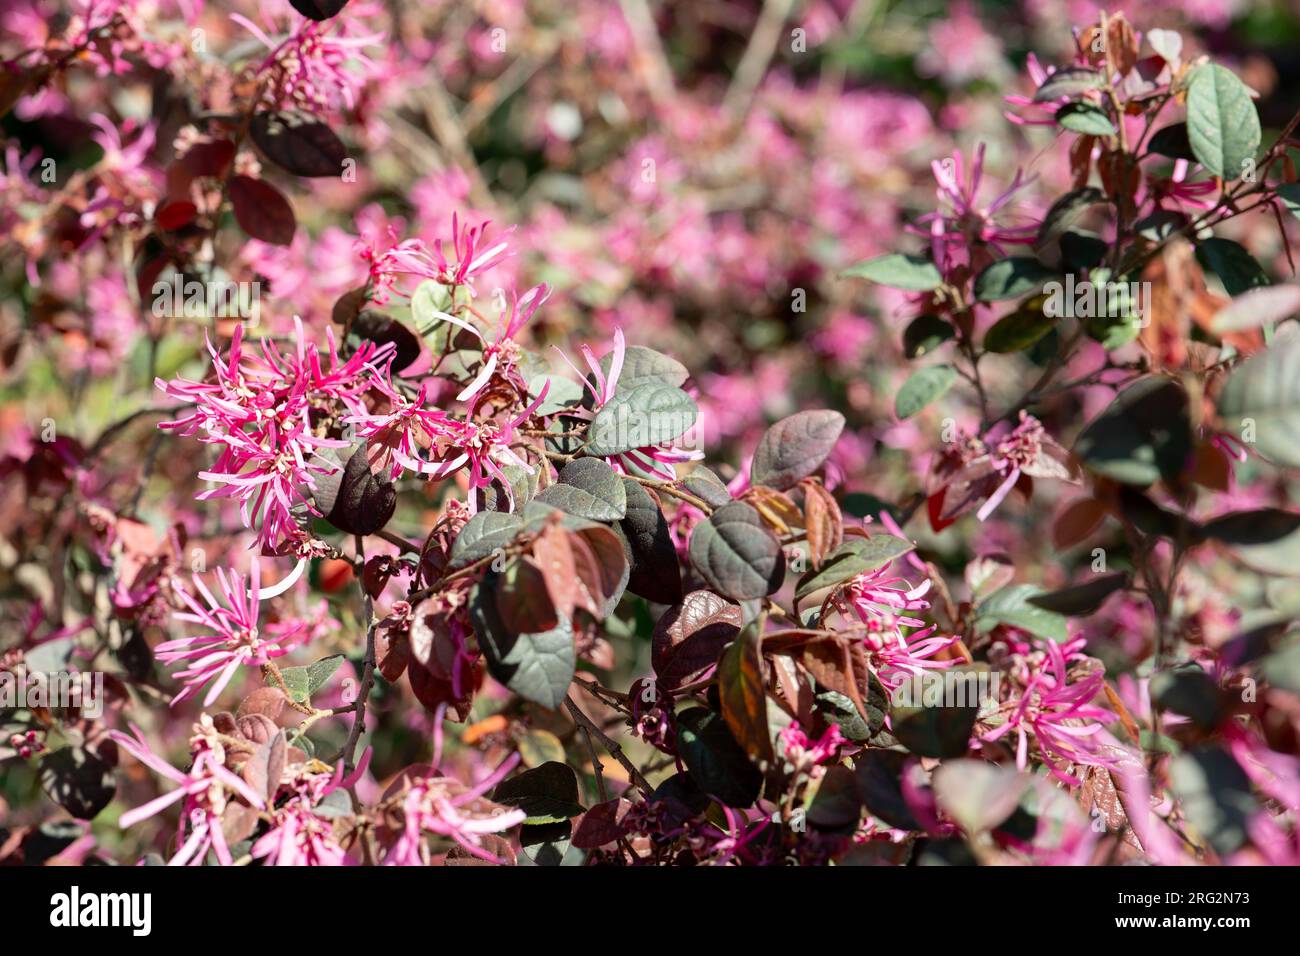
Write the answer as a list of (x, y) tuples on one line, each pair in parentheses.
[(554, 555), (602, 824), (523, 600), (262, 211), (823, 520), (690, 636), (1079, 519), (267, 701), (393, 653), (830, 662), (599, 564), (174, 214), (742, 690)]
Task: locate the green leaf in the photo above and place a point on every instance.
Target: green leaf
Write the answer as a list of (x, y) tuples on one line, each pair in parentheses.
[(563, 393), (937, 731), (1235, 267), (1160, 225), (1084, 118), (429, 298), (1222, 122), (590, 489), (1069, 81), (1289, 193), (855, 556), (655, 571), (834, 804), (898, 271), (795, 447), (878, 774), (1080, 251), (836, 708), (924, 334), (482, 535), (297, 683), (1010, 606), (1281, 668), (1011, 278), (1018, 331), (548, 794), (645, 366), (77, 780), (716, 762), (736, 554), (1215, 795), (1064, 213), (1082, 599), (1143, 435), (319, 673), (647, 414), (538, 667), (548, 844), (1261, 399), (977, 794), (922, 388)]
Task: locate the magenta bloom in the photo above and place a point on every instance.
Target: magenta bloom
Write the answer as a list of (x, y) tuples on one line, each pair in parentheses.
[(442, 806), (657, 461), (962, 222), (1060, 717), (390, 261), (408, 428), (205, 790), (258, 409), (317, 67), (232, 638), (804, 753), (299, 836), (886, 602)]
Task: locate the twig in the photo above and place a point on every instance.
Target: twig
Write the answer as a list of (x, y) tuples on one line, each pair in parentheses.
[(367, 665), (614, 749), (758, 54), (650, 52)]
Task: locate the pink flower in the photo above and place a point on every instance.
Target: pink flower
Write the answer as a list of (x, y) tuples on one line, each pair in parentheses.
[(390, 260), (885, 603), (408, 427), (444, 807), (1038, 76), (316, 67), (259, 410), (659, 460), (1060, 717), (962, 222), (803, 753), (232, 639), (204, 792), (299, 835)]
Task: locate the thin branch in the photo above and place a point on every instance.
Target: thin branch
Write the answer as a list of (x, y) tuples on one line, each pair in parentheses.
[(651, 60), (614, 749), (758, 55)]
